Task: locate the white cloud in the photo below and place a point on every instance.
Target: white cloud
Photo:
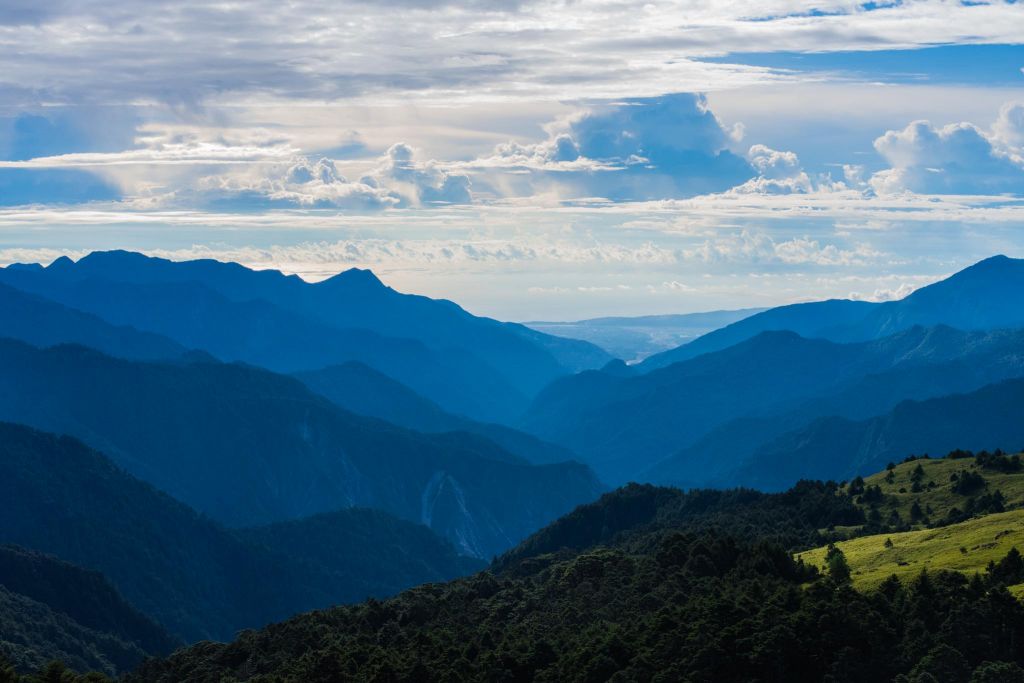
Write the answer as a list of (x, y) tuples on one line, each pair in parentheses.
[(303, 183), (159, 146), (421, 184), (189, 167), (1008, 130), (958, 158), (901, 291), (759, 247), (777, 173)]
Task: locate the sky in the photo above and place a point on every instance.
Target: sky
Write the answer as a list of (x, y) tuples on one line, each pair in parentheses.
[(529, 160)]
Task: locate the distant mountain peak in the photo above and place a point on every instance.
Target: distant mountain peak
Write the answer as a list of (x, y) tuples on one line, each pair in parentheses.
[(357, 277), (989, 277), (61, 263), (993, 265)]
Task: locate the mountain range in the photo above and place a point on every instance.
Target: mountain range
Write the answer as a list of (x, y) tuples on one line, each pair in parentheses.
[(945, 361), (190, 449), (470, 365), (626, 421)]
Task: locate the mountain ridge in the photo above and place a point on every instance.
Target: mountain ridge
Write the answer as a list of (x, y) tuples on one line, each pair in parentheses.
[(248, 446)]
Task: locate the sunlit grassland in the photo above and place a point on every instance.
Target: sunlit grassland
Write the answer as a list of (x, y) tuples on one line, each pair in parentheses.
[(967, 547)]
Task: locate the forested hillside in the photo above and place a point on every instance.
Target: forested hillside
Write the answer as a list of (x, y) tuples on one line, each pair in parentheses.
[(649, 584)]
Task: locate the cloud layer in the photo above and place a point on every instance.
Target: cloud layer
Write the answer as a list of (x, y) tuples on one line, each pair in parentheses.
[(119, 52)]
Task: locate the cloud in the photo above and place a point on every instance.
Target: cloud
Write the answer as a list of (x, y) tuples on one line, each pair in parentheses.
[(230, 169), (626, 150), (304, 183), (175, 146), (397, 180), (763, 248), (958, 158), (901, 291), (759, 247), (1008, 129), (53, 132), (777, 173), (419, 184)]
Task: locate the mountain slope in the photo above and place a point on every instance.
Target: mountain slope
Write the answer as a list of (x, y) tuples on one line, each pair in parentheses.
[(32, 634), (984, 296), (967, 547), (40, 322), (836, 448), (362, 390), (621, 425), (85, 596), (946, 362), (246, 447), (362, 547), (196, 578), (50, 610)]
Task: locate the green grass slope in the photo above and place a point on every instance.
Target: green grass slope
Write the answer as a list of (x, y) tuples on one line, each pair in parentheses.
[(967, 547), (935, 493)]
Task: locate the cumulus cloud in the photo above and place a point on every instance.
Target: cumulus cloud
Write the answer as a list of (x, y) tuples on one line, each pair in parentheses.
[(305, 183), (418, 183), (958, 158), (1008, 130), (636, 149), (777, 173)]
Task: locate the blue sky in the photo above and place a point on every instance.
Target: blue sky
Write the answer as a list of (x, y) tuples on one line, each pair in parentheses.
[(531, 160)]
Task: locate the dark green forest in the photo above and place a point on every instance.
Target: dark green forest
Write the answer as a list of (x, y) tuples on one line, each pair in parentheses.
[(650, 584)]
